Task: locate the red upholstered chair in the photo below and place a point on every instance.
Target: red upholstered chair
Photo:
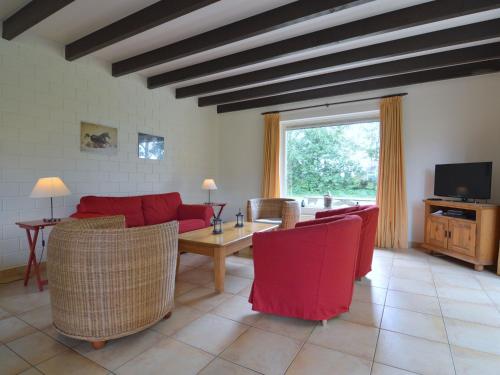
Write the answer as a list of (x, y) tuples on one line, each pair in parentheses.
[(369, 214), (306, 272)]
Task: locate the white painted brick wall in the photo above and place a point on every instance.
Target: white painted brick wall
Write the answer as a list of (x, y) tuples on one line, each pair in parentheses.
[(43, 98)]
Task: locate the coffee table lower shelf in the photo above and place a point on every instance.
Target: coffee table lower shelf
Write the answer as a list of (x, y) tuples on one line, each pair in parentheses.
[(219, 246)]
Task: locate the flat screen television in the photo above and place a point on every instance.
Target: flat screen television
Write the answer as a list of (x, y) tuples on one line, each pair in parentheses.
[(465, 180)]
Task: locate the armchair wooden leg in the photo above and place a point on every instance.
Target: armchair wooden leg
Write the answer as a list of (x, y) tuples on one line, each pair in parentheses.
[(323, 323), (169, 314), (98, 344)]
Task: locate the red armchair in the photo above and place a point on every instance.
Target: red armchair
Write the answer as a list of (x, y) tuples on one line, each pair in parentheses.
[(369, 215), (306, 272)]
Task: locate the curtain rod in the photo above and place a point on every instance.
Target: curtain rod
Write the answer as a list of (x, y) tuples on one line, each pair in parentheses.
[(336, 103)]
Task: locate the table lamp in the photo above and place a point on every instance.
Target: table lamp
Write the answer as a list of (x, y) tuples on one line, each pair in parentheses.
[(50, 187), (208, 184)]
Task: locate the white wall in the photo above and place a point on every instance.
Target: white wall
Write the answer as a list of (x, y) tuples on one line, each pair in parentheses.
[(447, 121), (43, 98)]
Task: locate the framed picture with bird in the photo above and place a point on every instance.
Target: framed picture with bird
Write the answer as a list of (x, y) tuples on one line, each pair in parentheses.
[(98, 138)]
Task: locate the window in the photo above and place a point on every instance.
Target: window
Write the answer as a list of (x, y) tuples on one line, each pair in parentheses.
[(340, 160)]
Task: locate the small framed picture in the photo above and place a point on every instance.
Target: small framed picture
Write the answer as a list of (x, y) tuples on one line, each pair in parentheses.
[(98, 138), (151, 147)]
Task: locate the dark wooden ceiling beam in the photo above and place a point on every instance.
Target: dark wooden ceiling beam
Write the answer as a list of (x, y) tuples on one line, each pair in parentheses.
[(438, 39), (135, 23), (439, 74), (393, 21), (30, 15), (431, 61), (273, 19)]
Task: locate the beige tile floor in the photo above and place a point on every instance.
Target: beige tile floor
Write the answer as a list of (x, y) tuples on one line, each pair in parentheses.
[(413, 314)]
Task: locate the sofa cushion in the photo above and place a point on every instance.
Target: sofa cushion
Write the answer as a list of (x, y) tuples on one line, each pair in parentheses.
[(190, 224), (130, 207), (160, 208)]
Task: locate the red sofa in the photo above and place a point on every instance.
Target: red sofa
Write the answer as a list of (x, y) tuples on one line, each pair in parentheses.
[(147, 210), (306, 272), (369, 215)]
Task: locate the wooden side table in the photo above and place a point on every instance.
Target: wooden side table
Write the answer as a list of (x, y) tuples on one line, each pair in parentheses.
[(32, 230)]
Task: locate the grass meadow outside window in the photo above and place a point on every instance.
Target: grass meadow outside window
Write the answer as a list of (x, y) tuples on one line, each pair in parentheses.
[(339, 159)]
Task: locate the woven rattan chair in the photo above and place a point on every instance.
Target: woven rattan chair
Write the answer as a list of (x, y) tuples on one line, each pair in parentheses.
[(108, 281), (283, 211)]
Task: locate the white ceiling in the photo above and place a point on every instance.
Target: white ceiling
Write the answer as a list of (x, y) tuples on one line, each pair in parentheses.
[(85, 16)]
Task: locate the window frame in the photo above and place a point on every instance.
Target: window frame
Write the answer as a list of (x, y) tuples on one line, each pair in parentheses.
[(297, 125)]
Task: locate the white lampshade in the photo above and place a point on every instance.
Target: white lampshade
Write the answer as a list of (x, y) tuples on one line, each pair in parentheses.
[(49, 187), (208, 184)]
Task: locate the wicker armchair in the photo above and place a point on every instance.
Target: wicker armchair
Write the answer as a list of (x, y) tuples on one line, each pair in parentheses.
[(108, 281), (283, 211)]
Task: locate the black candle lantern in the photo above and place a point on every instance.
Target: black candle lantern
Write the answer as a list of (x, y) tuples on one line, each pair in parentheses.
[(239, 220), (217, 226)]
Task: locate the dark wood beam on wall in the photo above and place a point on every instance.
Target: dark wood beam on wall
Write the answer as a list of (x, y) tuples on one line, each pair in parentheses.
[(135, 23), (30, 15), (439, 74), (273, 19), (393, 21), (438, 39), (431, 61)]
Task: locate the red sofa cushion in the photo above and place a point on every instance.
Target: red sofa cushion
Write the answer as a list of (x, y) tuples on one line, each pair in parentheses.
[(130, 207), (191, 224), (160, 208)]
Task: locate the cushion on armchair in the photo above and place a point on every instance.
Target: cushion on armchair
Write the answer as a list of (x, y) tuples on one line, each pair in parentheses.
[(275, 220)]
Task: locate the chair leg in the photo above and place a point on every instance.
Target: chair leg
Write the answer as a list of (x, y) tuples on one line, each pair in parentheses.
[(98, 344), (323, 323), (358, 278), (169, 314)]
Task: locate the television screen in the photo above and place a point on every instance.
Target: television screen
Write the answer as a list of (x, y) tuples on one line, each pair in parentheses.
[(466, 180)]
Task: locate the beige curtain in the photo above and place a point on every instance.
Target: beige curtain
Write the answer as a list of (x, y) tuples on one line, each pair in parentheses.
[(271, 176), (391, 189)]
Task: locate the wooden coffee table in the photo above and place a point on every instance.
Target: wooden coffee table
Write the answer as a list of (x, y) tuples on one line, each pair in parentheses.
[(218, 246)]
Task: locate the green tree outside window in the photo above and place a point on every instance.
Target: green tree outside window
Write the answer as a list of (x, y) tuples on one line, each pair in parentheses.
[(340, 159)]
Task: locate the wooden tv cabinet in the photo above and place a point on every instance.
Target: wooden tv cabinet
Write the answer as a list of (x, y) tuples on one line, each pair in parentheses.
[(473, 238)]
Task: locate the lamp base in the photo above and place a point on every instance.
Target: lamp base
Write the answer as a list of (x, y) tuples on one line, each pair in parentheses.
[(51, 220), (216, 231)]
